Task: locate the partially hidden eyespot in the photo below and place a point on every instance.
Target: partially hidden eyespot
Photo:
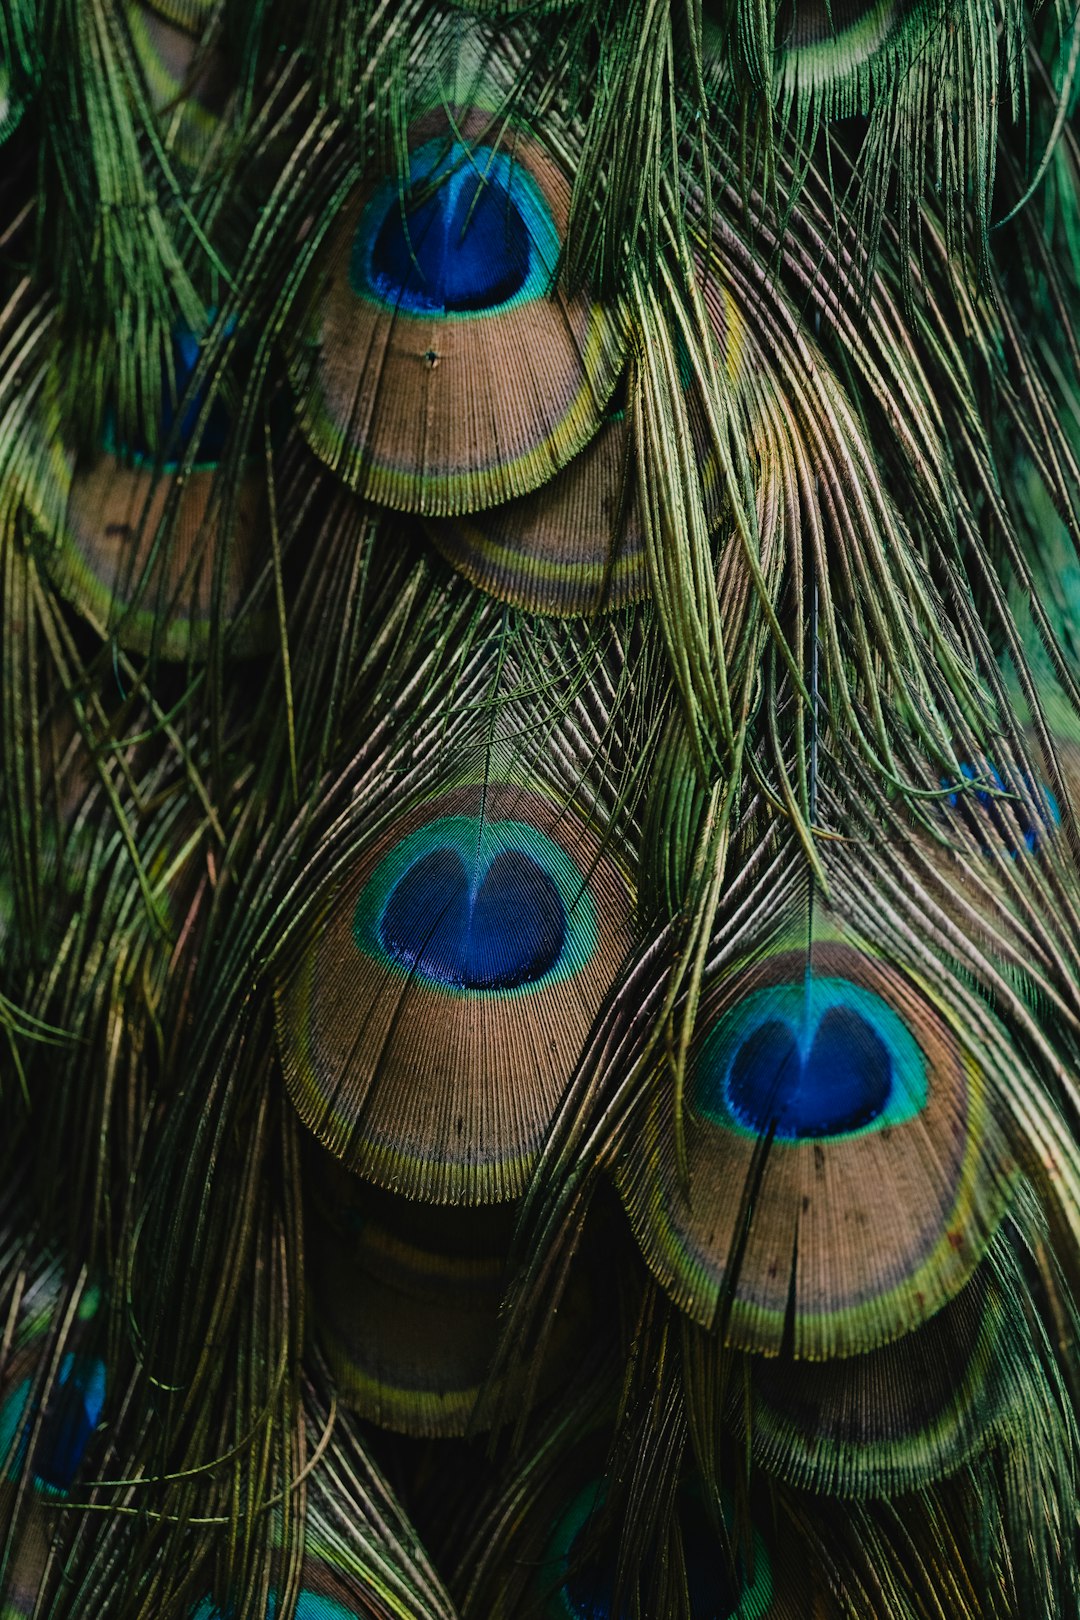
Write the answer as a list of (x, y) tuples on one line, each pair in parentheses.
[(405, 1305), (72, 1413), (917, 1409), (584, 1548), (148, 553), (310, 1605), (188, 83), (995, 811)]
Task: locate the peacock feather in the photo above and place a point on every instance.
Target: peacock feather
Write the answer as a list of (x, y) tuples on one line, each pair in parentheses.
[(539, 810)]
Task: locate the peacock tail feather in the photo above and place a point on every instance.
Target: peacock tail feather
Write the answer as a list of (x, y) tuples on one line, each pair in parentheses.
[(539, 810)]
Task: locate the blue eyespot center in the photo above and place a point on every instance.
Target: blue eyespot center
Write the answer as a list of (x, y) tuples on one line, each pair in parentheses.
[(842, 1082), (820, 1058), (465, 248), (478, 905), (489, 930), (309, 1606), (472, 235)]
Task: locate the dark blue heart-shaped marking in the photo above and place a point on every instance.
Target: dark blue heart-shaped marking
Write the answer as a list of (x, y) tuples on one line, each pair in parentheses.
[(843, 1082), (465, 248), (506, 931)]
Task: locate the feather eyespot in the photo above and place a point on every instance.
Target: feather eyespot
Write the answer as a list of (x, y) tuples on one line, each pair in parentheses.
[(913, 1411), (840, 57), (860, 25), (477, 235), (478, 906), (823, 1102), (72, 1413), (456, 258), (501, 925), (441, 997), (825, 1058), (188, 425), (138, 552), (406, 1301)]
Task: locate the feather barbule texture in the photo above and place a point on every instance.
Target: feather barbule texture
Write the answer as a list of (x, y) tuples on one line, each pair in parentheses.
[(539, 810)]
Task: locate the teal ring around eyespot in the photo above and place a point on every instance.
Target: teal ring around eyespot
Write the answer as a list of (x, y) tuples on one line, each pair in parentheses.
[(465, 835), (135, 461), (12, 1414), (801, 1006), (754, 1600), (556, 1566), (495, 168), (309, 1606)]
